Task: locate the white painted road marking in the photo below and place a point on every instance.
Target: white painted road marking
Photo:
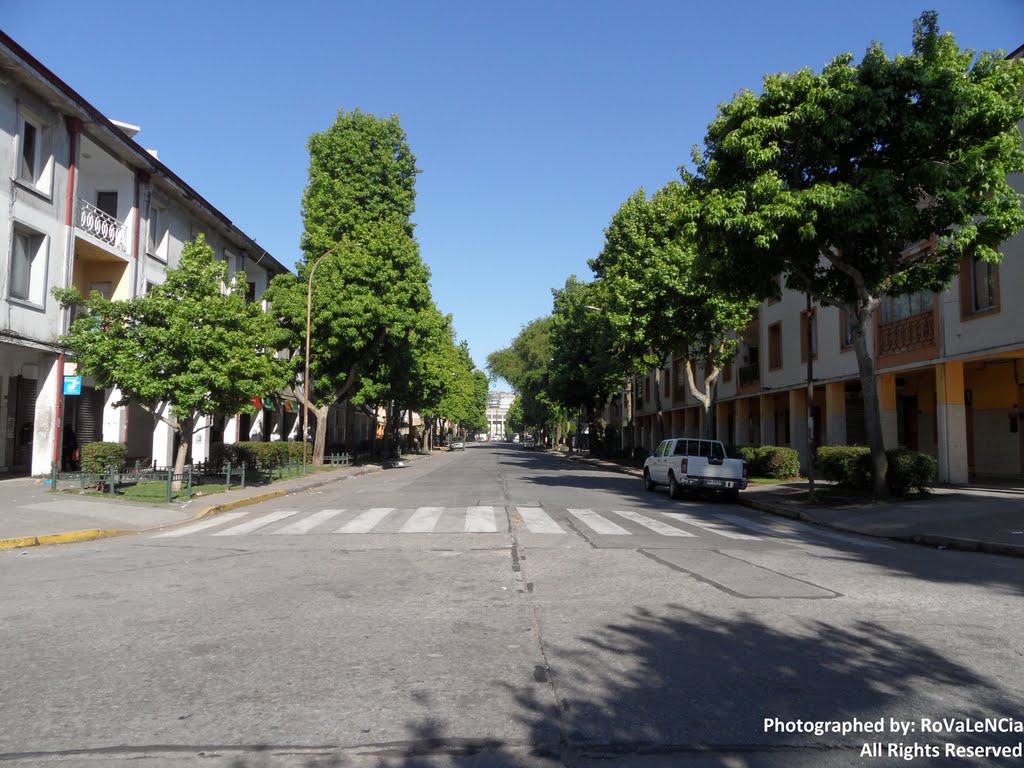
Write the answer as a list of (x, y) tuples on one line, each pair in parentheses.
[(365, 522), (655, 525), (597, 523), (721, 530), (480, 520), (306, 524), (538, 521), (423, 520), (202, 525), (259, 522)]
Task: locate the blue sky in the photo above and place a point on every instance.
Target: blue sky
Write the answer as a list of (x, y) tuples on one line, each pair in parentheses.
[(531, 121)]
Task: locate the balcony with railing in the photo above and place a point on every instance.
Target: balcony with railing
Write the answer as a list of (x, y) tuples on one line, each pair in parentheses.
[(749, 375), (102, 226), (907, 335)]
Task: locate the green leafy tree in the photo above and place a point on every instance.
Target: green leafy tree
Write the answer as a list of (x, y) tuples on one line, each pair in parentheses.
[(183, 351), (866, 180), (370, 282), (584, 369), (660, 301)]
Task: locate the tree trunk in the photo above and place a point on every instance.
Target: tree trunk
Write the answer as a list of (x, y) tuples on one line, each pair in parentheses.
[(862, 314), (659, 426), (704, 396), (185, 430), (320, 443)]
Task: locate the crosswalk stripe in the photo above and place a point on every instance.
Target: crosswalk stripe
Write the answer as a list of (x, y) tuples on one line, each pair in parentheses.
[(721, 530), (365, 522), (256, 524), (655, 525), (538, 521), (423, 520), (202, 525), (480, 520), (597, 523), (306, 524), (799, 537)]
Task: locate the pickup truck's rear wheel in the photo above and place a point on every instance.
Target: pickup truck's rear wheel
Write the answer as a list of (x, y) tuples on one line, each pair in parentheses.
[(675, 490), (648, 483)]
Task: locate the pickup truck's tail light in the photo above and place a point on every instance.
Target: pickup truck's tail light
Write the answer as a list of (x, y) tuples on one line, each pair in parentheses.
[(682, 466), (746, 470)]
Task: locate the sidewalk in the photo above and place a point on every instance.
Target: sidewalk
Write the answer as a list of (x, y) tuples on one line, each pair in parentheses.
[(31, 514), (982, 517)]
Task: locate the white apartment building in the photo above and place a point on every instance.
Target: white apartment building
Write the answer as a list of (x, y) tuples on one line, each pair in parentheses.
[(498, 404), (950, 375), (85, 205)]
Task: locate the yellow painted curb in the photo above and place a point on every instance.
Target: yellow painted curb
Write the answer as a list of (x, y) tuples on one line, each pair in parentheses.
[(217, 509), (60, 538)]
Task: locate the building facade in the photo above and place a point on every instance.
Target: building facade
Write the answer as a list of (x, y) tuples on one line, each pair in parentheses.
[(87, 206), (498, 404)]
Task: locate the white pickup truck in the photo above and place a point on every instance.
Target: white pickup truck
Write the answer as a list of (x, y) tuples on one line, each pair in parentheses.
[(682, 463)]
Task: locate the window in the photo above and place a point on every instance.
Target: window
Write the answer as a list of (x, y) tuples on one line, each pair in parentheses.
[(156, 233), (776, 289), (28, 266), (250, 291), (984, 276), (34, 164), (808, 320), (775, 346), (845, 330), (28, 168), (896, 308), (667, 374), (727, 371)]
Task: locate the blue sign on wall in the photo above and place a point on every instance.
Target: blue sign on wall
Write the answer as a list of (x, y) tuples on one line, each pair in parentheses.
[(72, 385)]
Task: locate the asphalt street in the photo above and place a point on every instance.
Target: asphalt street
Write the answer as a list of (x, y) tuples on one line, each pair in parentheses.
[(503, 607)]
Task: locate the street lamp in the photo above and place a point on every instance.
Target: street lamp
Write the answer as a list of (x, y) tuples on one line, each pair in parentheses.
[(305, 376)]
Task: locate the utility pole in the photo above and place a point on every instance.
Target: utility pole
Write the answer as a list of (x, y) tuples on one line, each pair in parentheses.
[(810, 403)]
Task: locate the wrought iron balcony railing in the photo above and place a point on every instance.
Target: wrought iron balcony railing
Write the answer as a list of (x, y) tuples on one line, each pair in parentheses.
[(102, 225)]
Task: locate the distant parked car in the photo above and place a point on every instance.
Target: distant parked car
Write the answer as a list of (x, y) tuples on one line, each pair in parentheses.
[(458, 444), (529, 443)]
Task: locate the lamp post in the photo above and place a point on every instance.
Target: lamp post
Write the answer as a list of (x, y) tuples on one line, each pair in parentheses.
[(307, 387)]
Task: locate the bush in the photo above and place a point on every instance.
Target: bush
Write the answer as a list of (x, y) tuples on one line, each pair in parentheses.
[(850, 466), (909, 471), (99, 457), (259, 454), (842, 463), (771, 461)]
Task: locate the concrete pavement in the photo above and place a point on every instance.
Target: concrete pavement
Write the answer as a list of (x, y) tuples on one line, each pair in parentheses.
[(31, 514), (981, 517)]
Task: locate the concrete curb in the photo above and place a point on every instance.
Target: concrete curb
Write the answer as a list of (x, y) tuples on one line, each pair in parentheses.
[(61, 538)]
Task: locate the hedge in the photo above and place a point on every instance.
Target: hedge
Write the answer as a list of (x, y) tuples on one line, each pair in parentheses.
[(850, 466), (844, 464), (262, 455), (97, 458), (774, 461)]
